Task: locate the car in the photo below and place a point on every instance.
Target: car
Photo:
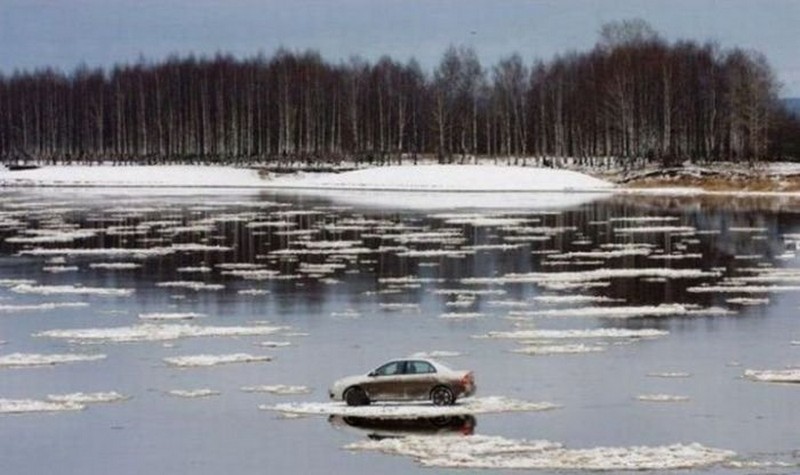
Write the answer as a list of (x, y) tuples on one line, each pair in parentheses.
[(406, 379)]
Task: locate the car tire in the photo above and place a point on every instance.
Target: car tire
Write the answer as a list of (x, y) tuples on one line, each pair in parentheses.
[(442, 396), (356, 397)]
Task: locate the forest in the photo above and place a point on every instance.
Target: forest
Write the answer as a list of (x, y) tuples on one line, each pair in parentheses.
[(634, 97)]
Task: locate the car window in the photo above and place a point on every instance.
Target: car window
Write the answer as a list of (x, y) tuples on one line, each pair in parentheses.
[(395, 367), (419, 367)]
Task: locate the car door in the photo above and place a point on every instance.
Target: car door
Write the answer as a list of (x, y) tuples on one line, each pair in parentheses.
[(420, 379), (385, 383)]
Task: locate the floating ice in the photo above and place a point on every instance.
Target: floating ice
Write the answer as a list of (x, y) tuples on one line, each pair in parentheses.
[(114, 265), (461, 315), (190, 285), (214, 360), (193, 393), (747, 301), (592, 275), (661, 398), (37, 236), (19, 360), (21, 406), (280, 389), (494, 452), (41, 306), (59, 269), (670, 374), (87, 398), (577, 334), (107, 252), (70, 290), (559, 299), (655, 229), (645, 311), (253, 292), (157, 332), (743, 289), (773, 376), (538, 350), (482, 405)]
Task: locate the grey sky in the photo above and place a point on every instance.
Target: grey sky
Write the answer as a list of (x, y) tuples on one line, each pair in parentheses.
[(64, 33)]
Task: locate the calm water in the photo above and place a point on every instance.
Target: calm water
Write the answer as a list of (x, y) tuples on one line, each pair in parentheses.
[(330, 270)]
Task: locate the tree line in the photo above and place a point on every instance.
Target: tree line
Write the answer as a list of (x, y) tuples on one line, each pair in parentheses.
[(634, 97)]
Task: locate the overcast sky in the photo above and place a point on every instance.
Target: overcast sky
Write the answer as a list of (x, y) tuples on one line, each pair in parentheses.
[(65, 33)]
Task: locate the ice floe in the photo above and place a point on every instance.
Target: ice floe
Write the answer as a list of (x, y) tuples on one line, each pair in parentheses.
[(573, 349), (193, 393), (190, 285), (87, 398), (279, 389), (20, 360), (157, 332), (192, 361), (40, 306), (476, 405), (773, 376), (592, 275), (644, 311), (661, 398), (670, 374), (611, 333), (22, 406), (70, 290), (495, 452), (115, 265)]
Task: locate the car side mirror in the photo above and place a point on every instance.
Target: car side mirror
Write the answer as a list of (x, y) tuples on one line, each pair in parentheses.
[(371, 374)]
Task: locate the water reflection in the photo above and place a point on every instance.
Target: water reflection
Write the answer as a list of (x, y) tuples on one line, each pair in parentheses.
[(378, 428)]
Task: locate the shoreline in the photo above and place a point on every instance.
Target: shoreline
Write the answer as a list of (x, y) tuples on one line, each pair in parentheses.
[(779, 179)]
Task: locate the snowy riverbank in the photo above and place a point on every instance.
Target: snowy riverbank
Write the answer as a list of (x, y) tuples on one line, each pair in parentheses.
[(133, 176), (460, 178)]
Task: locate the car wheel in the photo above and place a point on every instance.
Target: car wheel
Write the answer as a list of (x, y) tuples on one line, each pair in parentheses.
[(442, 396), (356, 397)]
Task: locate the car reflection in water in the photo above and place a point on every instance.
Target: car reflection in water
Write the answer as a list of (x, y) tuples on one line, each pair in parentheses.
[(382, 428)]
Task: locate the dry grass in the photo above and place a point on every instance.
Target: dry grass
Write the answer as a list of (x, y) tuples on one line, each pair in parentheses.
[(759, 183)]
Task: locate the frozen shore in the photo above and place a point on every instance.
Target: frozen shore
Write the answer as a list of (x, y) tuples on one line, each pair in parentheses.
[(450, 178)]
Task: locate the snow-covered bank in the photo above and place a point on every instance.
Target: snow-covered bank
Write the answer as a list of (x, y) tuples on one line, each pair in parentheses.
[(134, 176), (482, 178), (461, 178)]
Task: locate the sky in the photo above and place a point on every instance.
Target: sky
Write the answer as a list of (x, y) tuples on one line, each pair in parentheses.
[(66, 33)]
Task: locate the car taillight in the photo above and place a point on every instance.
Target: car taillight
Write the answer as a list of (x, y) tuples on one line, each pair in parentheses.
[(467, 380)]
